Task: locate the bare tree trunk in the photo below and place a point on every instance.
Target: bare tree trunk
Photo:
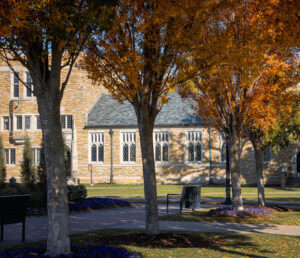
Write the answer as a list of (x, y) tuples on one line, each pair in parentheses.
[(58, 241), (255, 135), (237, 200), (146, 125), (260, 178)]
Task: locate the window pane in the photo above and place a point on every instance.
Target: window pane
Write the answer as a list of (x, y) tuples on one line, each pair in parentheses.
[(27, 122), (157, 152), (94, 153), (191, 152), (6, 156), (125, 152), (19, 122), (12, 156), (132, 152), (198, 152), (38, 122), (6, 123), (165, 152), (101, 153), (70, 122), (63, 122), (16, 85)]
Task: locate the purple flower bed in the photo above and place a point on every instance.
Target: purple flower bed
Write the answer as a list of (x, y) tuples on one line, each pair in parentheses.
[(93, 203), (246, 212), (96, 203), (78, 251)]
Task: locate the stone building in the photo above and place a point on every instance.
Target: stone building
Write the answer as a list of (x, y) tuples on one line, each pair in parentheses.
[(103, 138)]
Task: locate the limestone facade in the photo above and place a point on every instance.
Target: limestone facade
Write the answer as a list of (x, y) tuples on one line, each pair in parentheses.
[(19, 117)]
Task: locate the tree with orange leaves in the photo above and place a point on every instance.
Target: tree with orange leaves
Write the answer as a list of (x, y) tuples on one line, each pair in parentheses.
[(46, 36), (138, 60), (228, 82), (270, 100)]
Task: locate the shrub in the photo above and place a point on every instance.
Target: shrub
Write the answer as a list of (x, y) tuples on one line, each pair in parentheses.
[(27, 166), (2, 164), (76, 193), (234, 213)]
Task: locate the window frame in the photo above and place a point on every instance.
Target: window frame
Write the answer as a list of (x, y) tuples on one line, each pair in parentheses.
[(161, 141), (25, 89), (187, 144), (9, 156), (13, 84), (91, 143), (3, 123), (66, 118), (122, 142), (36, 157)]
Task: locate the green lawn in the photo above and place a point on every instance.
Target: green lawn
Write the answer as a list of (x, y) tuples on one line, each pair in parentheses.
[(279, 218), (230, 245), (207, 192)]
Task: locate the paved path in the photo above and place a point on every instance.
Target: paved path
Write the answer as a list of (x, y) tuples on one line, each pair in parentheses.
[(36, 227)]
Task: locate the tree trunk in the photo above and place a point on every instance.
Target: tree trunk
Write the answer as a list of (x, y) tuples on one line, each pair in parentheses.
[(58, 241), (146, 124), (237, 200), (260, 177)]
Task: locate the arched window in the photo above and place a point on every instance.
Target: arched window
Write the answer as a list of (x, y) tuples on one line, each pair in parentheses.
[(165, 152), (94, 153), (198, 152), (125, 152), (191, 152), (101, 153), (96, 141), (132, 152), (194, 146), (157, 152), (161, 143)]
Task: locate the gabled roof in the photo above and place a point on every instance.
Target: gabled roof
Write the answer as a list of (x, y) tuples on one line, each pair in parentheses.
[(109, 113)]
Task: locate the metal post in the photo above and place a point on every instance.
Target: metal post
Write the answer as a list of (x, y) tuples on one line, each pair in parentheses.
[(210, 159), (228, 199), (111, 133)]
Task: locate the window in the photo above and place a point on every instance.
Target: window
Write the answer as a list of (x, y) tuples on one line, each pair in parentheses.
[(128, 146), (36, 156), (27, 122), (6, 123), (161, 146), (29, 86), (10, 156), (194, 146), (66, 121), (16, 90), (38, 122), (267, 153), (97, 146), (19, 122)]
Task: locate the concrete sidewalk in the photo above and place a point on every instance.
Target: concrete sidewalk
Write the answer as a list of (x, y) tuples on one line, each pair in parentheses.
[(132, 218)]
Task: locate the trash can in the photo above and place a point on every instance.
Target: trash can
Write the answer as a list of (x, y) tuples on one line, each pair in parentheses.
[(191, 197)]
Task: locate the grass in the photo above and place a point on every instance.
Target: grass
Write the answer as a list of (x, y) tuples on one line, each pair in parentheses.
[(207, 192), (231, 245), (279, 218)]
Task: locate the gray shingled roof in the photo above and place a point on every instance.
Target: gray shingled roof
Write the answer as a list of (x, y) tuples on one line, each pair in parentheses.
[(108, 112)]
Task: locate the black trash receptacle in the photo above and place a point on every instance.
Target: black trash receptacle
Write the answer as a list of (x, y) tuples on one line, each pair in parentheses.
[(191, 197)]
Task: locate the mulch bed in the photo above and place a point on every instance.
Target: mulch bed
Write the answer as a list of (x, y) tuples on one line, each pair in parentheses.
[(163, 240), (273, 208)]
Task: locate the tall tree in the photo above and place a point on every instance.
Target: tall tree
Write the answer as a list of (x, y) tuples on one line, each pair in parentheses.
[(46, 37), (227, 78), (138, 60), (270, 101), (28, 172), (2, 164)]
